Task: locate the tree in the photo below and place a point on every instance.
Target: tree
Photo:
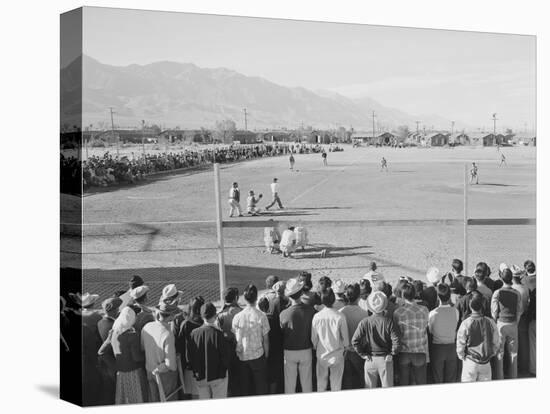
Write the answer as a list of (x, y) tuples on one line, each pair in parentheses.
[(225, 130), (402, 132)]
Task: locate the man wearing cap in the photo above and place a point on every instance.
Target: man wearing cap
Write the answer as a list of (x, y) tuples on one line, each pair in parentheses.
[(329, 336), (251, 329), (296, 330), (209, 356), (412, 320), (275, 194), (506, 309), (429, 294), (376, 340), (158, 342), (225, 321), (234, 200), (354, 372), (523, 325), (145, 314), (339, 289), (107, 361), (170, 295), (442, 324)]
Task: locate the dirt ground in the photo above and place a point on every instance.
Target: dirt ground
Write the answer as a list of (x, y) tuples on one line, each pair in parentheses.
[(164, 228)]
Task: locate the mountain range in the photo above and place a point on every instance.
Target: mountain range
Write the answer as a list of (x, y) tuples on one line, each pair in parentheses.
[(185, 95)]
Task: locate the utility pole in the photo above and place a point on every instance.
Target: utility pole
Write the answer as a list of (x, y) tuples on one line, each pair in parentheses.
[(452, 130), (495, 129), (143, 137), (373, 133), (245, 120), (417, 123), (113, 131)]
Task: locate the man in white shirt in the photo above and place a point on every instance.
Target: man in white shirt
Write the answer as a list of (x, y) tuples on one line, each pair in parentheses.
[(234, 200), (275, 194), (288, 242), (329, 336)]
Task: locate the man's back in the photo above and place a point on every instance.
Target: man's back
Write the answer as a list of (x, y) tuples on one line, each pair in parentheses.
[(506, 304), (353, 314), (209, 357), (412, 320), (477, 339), (158, 343), (329, 333), (296, 326)]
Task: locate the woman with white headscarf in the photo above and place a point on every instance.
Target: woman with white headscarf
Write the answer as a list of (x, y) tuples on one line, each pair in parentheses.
[(131, 383)]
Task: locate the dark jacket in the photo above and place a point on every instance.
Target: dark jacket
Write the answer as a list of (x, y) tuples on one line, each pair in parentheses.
[(296, 327), (182, 328), (376, 335), (463, 306), (477, 339), (506, 305), (208, 354), (128, 354)]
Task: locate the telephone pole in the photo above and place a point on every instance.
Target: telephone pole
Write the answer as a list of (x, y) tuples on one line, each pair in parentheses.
[(245, 120), (373, 133), (113, 130), (452, 130), (417, 123)]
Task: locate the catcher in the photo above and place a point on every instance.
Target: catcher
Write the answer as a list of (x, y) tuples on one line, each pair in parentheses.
[(252, 202)]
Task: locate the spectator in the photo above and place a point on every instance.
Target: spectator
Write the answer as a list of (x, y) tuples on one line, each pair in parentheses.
[(463, 305), (376, 340), (442, 324), (275, 370), (158, 342), (144, 314), (296, 322), (131, 383), (429, 294), (340, 292), (329, 336), (225, 322), (251, 329), (523, 325), (354, 374), (209, 356), (412, 320), (477, 342), (365, 291), (506, 310), (482, 287), (531, 278), (532, 318)]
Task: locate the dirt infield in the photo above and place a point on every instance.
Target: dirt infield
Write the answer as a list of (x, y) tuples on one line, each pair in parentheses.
[(164, 229)]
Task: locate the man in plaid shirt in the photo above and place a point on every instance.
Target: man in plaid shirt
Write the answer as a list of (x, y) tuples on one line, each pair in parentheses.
[(412, 320)]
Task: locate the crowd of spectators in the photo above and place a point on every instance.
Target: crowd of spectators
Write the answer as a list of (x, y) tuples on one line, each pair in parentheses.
[(294, 338), (110, 169)]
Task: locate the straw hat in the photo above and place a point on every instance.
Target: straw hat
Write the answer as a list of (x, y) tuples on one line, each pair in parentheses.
[(433, 275), (377, 301), (293, 286)]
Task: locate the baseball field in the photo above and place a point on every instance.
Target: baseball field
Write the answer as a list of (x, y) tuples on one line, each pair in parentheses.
[(406, 219)]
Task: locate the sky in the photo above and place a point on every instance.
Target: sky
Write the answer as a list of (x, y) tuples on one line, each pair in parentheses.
[(464, 76)]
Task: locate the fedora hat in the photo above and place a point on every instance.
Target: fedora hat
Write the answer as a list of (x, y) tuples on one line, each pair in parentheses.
[(111, 305), (433, 275), (169, 293), (86, 300), (503, 266), (517, 271), (293, 286), (167, 309), (138, 292), (377, 301)]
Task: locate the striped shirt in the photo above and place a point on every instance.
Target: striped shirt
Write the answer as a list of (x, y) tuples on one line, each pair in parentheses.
[(412, 320)]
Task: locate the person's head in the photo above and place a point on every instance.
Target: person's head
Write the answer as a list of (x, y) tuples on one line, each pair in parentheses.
[(457, 266), (111, 307), (324, 283), (263, 304), (372, 266), (433, 276), (365, 288), (530, 267), (398, 290), (275, 180), (231, 295), (444, 293), (479, 275), (139, 294), (469, 283), (506, 276), (251, 192), (408, 292), (195, 306), (166, 311), (208, 312), (517, 273), (484, 268), (476, 302), (352, 293), (235, 185), (291, 228), (327, 297), (305, 278), (135, 281), (377, 302), (270, 281), (250, 294), (418, 289)]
